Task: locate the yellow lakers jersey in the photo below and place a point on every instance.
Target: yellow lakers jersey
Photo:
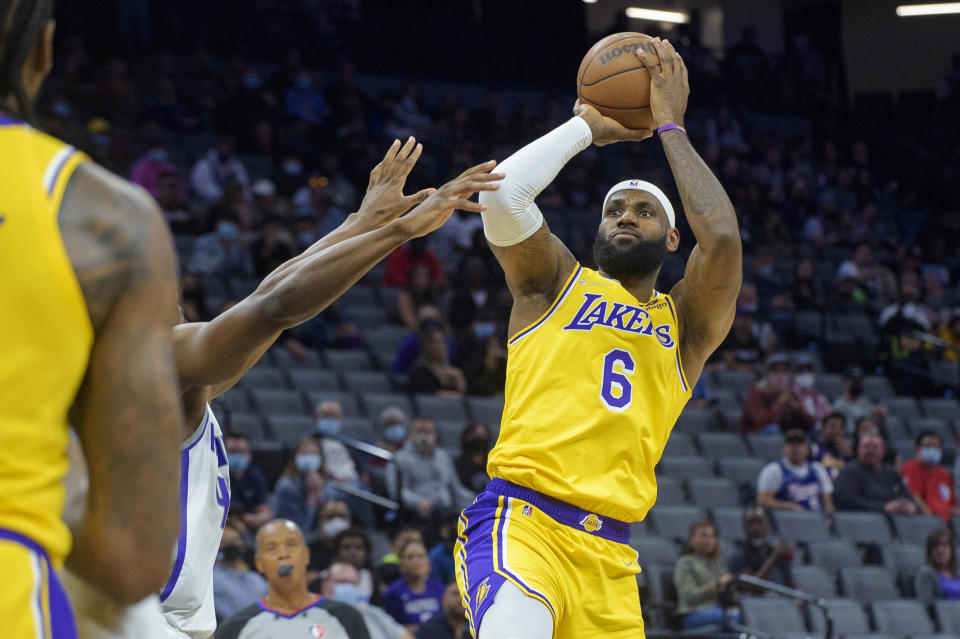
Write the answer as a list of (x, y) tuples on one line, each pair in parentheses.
[(593, 389), (45, 335)]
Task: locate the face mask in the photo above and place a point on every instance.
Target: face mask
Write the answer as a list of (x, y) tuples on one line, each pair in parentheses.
[(100, 139), (159, 155), (61, 108), (395, 434), (483, 330), (227, 230), (292, 167), (423, 443), (308, 462), (335, 526), (238, 462), (930, 455), (804, 380), (347, 593), (328, 425), (230, 554), (251, 81)]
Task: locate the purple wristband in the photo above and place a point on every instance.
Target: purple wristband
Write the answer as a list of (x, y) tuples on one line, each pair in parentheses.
[(670, 127)]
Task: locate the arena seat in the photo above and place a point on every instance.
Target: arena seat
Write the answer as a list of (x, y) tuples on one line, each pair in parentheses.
[(862, 527), (722, 445), (901, 617), (867, 583), (848, 617), (815, 581), (771, 615), (278, 402), (711, 492)]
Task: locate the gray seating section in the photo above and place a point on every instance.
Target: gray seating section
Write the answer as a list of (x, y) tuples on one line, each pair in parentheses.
[(374, 403), (722, 445), (815, 581), (766, 446), (311, 379), (264, 377), (447, 408), (359, 295), (901, 617), (833, 554), (932, 635), (384, 338), (284, 359), (686, 466), (735, 380), (369, 316), (905, 407), (696, 420), (862, 527), (290, 429), (487, 411), (945, 409), (936, 424), (848, 617), (869, 635), (278, 402), (235, 399), (867, 583), (800, 525), (728, 521), (726, 398), (674, 521), (877, 387), (830, 384), (772, 615), (363, 382), (348, 401), (655, 550), (900, 557), (670, 492), (448, 435), (680, 444), (948, 616), (713, 492), (248, 424), (743, 470), (344, 361), (913, 529), (358, 428)]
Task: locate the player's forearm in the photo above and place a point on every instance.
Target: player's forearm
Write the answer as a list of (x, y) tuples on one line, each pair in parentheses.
[(707, 207)]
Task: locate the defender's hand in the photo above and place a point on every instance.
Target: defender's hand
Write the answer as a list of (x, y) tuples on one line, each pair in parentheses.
[(384, 200), (607, 130), (669, 83), (440, 205)]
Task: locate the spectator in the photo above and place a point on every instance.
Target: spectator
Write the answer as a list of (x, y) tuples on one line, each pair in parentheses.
[(938, 578), (219, 167), (743, 348), (702, 395), (392, 427), (315, 208), (813, 403), (154, 163), (472, 294), (807, 291), (400, 263), (908, 307), (771, 406), (441, 554), (304, 102), (339, 465), (928, 481), (352, 546), (172, 200), (388, 571), (424, 477), (758, 556), (867, 483), (486, 370), (950, 333), (833, 449), (334, 519), (870, 426), (235, 586), (703, 585), (222, 252), (289, 609), (853, 403), (472, 463), (451, 623), (275, 246), (299, 491), (428, 317), (341, 583), (248, 486), (417, 292), (433, 373), (415, 597), (794, 482), (875, 279), (847, 295)]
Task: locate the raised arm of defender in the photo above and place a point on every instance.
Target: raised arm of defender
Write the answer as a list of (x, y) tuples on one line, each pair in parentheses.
[(706, 297)]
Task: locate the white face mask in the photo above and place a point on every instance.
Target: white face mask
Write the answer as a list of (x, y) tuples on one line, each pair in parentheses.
[(804, 380), (335, 526)]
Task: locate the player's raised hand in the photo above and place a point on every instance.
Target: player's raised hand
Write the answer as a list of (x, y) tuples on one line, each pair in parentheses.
[(440, 205), (669, 83), (384, 200), (607, 130)]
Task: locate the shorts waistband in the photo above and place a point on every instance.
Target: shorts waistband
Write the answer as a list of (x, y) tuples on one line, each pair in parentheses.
[(23, 540), (564, 513)]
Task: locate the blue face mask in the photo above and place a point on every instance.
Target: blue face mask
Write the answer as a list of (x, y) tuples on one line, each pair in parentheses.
[(484, 330), (346, 593), (395, 434), (159, 155), (238, 462), (292, 167), (930, 455), (251, 81), (227, 230), (328, 425), (308, 462)]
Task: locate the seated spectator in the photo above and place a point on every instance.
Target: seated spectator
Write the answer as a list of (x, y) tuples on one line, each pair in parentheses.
[(433, 373), (275, 246), (702, 396), (807, 291), (472, 294), (289, 607), (847, 295), (352, 546), (299, 491), (771, 406), (172, 200), (938, 578), (334, 518), (928, 481), (417, 292), (334, 327), (486, 370), (813, 403), (758, 556), (147, 170), (441, 553), (216, 169), (248, 486), (400, 263), (451, 623), (472, 463), (222, 252), (341, 583), (908, 365), (388, 570), (428, 317), (742, 349), (794, 482), (870, 426), (424, 478), (833, 448), (338, 465), (867, 483), (703, 596), (415, 597), (392, 426), (853, 403), (235, 586)]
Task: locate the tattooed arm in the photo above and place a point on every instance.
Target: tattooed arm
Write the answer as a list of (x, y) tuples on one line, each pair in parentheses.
[(706, 297), (127, 412)]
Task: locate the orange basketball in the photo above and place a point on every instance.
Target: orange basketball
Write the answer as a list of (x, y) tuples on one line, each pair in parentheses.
[(613, 80)]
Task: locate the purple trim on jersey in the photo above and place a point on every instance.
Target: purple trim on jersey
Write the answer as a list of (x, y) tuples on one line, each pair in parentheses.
[(683, 382), (6, 120), (267, 608), (56, 172), (184, 484), (556, 304)]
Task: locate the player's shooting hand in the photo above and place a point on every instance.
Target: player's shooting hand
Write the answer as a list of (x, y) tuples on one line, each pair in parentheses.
[(607, 130), (669, 84), (441, 203), (384, 200)]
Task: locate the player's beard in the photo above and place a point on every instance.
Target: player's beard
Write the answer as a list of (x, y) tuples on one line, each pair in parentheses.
[(641, 258)]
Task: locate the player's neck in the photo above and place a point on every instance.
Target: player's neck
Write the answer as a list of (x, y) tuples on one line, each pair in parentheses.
[(641, 286), (290, 601)]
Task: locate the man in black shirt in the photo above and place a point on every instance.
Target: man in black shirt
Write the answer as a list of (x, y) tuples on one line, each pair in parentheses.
[(869, 484), (450, 623), (759, 557)]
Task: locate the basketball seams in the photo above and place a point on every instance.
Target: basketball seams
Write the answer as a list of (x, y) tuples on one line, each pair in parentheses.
[(604, 106), (624, 36), (614, 74)]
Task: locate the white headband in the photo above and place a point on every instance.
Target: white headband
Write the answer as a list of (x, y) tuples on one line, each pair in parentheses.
[(640, 185)]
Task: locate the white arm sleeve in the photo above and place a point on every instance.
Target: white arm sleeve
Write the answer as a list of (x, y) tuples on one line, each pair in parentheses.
[(771, 478), (511, 216)]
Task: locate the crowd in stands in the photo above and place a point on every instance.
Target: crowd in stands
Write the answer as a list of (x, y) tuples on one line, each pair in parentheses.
[(831, 396)]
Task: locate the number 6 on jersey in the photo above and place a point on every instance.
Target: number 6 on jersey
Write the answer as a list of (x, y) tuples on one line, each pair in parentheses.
[(616, 391)]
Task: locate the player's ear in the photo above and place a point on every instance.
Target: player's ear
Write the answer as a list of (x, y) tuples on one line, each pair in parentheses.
[(673, 240), (257, 563)]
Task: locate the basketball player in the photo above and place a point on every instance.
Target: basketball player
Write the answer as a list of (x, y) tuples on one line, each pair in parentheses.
[(600, 365), (88, 297)]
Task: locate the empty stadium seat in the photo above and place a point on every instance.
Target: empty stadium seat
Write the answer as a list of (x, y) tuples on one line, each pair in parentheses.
[(848, 617), (685, 466), (728, 521), (742, 470), (447, 408), (235, 399), (735, 380), (313, 379), (359, 295), (655, 550), (833, 554), (284, 359), (900, 617), (263, 377), (385, 338), (374, 403), (345, 361), (814, 580), (948, 616), (722, 445), (367, 382), (766, 446), (248, 424), (862, 527), (680, 444), (726, 398), (830, 384), (367, 316), (358, 428), (905, 407), (278, 402), (867, 583), (899, 557), (945, 409), (800, 525), (290, 429), (713, 492), (936, 424), (674, 521), (670, 492), (487, 411), (913, 529), (772, 615), (696, 420), (448, 435)]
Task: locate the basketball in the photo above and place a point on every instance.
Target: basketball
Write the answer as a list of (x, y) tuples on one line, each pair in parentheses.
[(613, 80)]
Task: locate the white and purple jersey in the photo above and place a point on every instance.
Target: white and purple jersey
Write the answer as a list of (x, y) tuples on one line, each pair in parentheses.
[(187, 598)]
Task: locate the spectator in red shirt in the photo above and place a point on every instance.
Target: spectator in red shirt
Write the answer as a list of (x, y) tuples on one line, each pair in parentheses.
[(771, 406), (928, 481), (413, 253)]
